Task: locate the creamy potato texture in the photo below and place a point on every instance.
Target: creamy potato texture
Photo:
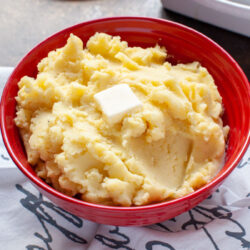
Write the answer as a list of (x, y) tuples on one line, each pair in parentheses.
[(170, 147)]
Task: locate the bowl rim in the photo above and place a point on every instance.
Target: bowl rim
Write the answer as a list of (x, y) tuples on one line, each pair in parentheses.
[(44, 186)]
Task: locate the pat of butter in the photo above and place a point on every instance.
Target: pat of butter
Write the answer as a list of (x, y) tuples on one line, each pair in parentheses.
[(117, 101)]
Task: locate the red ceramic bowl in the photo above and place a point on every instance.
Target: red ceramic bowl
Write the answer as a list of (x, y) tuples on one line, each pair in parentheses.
[(185, 45)]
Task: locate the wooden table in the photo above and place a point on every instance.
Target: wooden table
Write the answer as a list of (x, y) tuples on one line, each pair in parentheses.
[(24, 23)]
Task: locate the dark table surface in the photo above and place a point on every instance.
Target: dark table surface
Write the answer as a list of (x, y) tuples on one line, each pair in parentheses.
[(24, 23)]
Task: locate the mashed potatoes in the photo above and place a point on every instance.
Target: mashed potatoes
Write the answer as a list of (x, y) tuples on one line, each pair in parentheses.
[(168, 148)]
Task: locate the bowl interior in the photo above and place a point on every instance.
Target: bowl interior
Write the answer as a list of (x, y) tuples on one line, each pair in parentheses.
[(183, 45)]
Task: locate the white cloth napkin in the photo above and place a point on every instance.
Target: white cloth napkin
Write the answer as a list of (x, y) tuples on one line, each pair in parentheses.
[(30, 221)]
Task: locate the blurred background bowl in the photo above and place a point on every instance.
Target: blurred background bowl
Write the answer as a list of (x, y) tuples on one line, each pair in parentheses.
[(183, 45)]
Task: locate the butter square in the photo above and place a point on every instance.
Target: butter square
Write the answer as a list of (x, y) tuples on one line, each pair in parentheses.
[(116, 102)]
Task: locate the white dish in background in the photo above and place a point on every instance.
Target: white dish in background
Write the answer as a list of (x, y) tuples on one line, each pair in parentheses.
[(233, 15)]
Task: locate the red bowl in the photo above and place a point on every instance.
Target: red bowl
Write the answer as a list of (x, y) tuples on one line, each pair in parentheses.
[(185, 45)]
